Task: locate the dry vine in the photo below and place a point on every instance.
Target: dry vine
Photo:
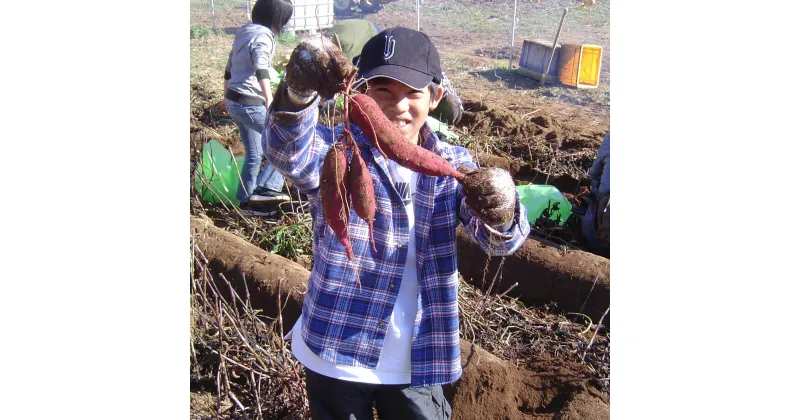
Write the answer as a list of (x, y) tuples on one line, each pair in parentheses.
[(239, 355), (509, 330)]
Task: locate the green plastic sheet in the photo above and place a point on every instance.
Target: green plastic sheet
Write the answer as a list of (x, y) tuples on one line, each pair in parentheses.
[(537, 198), (220, 173)]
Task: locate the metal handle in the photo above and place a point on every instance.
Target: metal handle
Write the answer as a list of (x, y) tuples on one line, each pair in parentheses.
[(553, 50)]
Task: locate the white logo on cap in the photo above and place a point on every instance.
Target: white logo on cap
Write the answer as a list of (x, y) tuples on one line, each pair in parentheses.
[(388, 48)]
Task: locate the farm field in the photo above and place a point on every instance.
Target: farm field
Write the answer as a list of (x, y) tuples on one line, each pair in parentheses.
[(535, 326)]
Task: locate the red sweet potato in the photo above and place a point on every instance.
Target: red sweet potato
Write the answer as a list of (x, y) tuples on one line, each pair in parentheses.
[(367, 115), (362, 192), (334, 195)]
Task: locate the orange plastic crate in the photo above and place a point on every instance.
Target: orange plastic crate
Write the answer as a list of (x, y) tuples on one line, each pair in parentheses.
[(579, 65)]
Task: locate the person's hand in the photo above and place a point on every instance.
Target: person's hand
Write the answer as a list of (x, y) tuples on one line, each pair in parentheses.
[(491, 194), (317, 66)]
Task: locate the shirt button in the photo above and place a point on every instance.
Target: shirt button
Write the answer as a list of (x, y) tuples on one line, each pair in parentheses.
[(391, 285), (381, 324), (399, 245)]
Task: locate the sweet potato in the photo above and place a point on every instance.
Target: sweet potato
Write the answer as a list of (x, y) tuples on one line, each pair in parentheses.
[(367, 115), (334, 196), (362, 191)]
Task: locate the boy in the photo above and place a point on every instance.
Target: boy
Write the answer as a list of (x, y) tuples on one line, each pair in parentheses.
[(350, 36), (393, 340)]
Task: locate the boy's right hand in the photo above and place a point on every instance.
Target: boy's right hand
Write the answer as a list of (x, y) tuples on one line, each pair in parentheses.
[(317, 66)]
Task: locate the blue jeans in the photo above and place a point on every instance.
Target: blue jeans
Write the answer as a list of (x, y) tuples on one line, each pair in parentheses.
[(251, 121)]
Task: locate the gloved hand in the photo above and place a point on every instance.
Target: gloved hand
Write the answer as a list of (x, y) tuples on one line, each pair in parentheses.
[(491, 194), (317, 66)]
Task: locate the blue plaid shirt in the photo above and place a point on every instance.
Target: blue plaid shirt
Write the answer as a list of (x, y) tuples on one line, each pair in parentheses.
[(345, 324)]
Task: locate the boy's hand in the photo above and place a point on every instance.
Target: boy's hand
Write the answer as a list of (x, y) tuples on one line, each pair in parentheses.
[(491, 194), (317, 66)]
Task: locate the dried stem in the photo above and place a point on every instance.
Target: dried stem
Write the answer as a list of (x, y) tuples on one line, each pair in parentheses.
[(242, 350), (526, 335), (599, 323), (280, 317)]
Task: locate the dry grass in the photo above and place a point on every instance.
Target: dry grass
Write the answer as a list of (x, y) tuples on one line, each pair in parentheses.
[(238, 356), (207, 66), (510, 331)]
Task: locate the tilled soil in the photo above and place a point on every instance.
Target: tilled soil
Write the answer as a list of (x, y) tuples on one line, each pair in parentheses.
[(551, 385), (506, 123), (547, 389), (540, 139)]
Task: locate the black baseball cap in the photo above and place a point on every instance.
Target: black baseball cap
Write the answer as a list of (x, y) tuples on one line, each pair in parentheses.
[(402, 54)]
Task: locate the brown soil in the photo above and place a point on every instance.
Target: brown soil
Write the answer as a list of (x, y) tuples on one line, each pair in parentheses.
[(544, 272), (491, 388), (542, 120), (585, 406), (543, 143), (227, 21), (210, 122), (483, 119), (243, 263), (526, 172)]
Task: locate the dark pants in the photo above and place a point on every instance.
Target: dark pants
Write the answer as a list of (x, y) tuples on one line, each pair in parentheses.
[(334, 399)]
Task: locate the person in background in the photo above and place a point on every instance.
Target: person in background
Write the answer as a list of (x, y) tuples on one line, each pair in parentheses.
[(350, 36), (383, 329), (450, 109), (596, 222), (248, 95)]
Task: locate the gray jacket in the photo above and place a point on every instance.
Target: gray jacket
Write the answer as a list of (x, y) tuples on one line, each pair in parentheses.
[(248, 62)]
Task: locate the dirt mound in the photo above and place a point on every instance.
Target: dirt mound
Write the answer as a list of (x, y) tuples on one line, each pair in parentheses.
[(480, 118), (585, 406), (252, 270), (539, 121), (487, 160), (549, 389), (577, 281), (543, 141)]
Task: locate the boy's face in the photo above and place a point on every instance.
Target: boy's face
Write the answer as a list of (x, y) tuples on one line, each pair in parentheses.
[(404, 106)]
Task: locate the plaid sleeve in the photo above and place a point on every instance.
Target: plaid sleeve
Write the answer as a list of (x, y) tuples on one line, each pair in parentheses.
[(491, 244), (450, 90), (296, 145)]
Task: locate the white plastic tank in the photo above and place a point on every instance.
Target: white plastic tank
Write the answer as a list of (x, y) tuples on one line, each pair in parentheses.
[(310, 15)]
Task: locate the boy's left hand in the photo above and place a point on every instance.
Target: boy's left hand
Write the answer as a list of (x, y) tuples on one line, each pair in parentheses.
[(491, 194), (318, 66)]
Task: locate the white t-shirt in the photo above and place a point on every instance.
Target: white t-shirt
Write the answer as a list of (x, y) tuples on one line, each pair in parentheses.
[(394, 364)]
